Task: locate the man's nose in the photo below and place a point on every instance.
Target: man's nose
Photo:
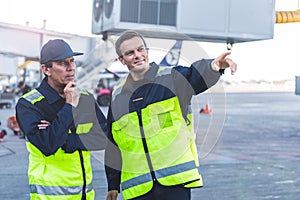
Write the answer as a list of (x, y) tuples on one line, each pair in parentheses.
[(137, 53)]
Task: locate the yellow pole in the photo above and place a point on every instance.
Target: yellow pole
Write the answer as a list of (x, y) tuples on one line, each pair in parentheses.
[(287, 16)]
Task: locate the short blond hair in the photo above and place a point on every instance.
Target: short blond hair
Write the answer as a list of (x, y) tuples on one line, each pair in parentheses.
[(127, 35)]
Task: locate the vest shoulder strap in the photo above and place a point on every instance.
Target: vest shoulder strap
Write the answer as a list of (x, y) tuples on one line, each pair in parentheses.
[(33, 96)]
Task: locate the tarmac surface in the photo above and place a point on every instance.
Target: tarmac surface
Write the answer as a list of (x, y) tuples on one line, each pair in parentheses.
[(254, 156)]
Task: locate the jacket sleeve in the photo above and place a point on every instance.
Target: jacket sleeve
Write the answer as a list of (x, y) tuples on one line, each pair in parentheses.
[(113, 160), (48, 140), (197, 78)]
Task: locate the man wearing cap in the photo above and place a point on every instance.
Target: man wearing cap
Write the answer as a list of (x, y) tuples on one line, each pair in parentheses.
[(62, 124)]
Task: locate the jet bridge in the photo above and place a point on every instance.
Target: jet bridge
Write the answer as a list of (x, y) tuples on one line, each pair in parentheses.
[(228, 21), (21, 44)]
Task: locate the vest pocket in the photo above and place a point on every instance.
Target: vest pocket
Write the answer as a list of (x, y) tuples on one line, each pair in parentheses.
[(126, 132), (163, 117)]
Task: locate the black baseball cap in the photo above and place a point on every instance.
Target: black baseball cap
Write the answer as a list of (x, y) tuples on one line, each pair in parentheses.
[(55, 50)]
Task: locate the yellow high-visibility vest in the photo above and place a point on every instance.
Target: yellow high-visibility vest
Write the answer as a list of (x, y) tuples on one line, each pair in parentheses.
[(170, 141), (59, 176)]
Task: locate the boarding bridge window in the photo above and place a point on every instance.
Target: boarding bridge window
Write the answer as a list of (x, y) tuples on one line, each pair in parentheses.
[(158, 12)]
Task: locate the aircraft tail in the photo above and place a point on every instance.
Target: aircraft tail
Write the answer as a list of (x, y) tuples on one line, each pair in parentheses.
[(173, 55)]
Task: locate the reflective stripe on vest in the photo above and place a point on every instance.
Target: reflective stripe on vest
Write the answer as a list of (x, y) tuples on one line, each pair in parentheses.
[(33, 96), (159, 174), (58, 190), (83, 128)]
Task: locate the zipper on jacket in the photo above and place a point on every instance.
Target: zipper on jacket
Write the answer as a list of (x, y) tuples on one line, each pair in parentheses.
[(83, 176), (145, 145)]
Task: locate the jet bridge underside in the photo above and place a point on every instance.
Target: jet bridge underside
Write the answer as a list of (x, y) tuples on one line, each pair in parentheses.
[(25, 42)]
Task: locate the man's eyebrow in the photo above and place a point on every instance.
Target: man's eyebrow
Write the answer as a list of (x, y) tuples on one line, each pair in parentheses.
[(132, 50), (128, 51)]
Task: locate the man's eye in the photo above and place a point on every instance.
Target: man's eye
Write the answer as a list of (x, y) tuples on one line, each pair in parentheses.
[(129, 53), (141, 49)]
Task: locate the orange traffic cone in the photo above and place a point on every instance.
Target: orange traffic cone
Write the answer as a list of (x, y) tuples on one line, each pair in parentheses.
[(206, 110)]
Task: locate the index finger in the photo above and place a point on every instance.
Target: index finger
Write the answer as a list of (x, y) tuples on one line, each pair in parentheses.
[(224, 55), (71, 84)]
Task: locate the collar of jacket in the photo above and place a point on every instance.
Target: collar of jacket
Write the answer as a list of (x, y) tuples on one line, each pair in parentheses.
[(50, 94), (131, 85)]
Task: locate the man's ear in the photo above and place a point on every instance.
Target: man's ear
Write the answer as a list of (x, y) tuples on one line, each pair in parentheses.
[(45, 70), (121, 59)]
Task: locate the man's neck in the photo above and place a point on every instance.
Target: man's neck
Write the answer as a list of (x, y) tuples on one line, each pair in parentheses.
[(58, 89)]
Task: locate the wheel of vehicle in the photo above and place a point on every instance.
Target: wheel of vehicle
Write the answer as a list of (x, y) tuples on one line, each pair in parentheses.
[(103, 100)]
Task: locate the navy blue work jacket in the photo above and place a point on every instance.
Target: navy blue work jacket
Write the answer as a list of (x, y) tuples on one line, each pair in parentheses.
[(63, 118), (183, 82)]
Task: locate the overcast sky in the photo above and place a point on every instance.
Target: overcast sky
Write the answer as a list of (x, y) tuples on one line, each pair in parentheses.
[(272, 59)]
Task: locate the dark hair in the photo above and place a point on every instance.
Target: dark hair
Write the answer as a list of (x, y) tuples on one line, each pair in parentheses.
[(127, 35), (48, 64)]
